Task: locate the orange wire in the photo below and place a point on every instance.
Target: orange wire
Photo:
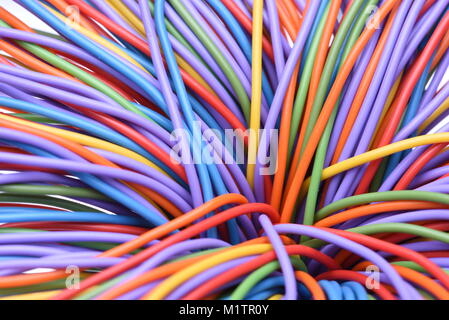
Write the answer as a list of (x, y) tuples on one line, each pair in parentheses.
[(302, 167), (363, 88), (376, 208), (287, 20), (284, 134), (311, 284), (318, 66)]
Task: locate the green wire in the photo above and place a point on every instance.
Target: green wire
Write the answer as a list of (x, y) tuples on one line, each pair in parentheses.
[(382, 196), (301, 94), (27, 189), (50, 201), (414, 266), (326, 75), (402, 228), (52, 285), (256, 276), (320, 156), (100, 246), (389, 228), (315, 180), (379, 176), (23, 230), (34, 118)]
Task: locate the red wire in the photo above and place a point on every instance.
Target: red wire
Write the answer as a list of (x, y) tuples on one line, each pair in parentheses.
[(59, 226), (352, 259), (416, 167), (247, 267)]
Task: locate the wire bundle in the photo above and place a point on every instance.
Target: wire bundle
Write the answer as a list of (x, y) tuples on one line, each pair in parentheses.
[(115, 158)]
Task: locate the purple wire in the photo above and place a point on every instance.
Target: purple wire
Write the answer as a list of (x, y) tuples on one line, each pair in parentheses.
[(175, 115), (168, 253), (75, 166), (378, 92), (114, 16), (291, 292), (279, 59)]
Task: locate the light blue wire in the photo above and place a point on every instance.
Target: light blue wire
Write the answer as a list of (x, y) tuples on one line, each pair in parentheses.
[(242, 40), (187, 110), (358, 289), (332, 292), (14, 214), (347, 292)]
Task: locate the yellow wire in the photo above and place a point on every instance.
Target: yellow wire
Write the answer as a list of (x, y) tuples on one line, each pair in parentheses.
[(276, 297), (444, 106), (126, 14), (102, 41), (167, 286), (86, 141), (43, 295), (380, 153), (256, 89)]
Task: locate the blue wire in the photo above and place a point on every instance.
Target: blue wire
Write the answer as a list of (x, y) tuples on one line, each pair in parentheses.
[(264, 295)]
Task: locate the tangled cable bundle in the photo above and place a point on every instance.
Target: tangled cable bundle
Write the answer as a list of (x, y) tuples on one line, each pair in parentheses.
[(225, 149)]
